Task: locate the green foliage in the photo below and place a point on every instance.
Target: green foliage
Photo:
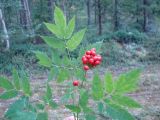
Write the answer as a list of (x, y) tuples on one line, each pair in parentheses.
[(108, 94), (97, 88), (5, 83), (75, 40), (8, 94), (125, 101), (118, 113), (73, 108), (109, 86), (25, 84), (43, 59)]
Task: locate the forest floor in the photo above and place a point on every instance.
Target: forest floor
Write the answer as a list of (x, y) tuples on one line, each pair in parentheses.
[(148, 94)]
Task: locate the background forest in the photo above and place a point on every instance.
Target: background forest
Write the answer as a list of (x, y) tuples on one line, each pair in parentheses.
[(126, 33), (129, 29)]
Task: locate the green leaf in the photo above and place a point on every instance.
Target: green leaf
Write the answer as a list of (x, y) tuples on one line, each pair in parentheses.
[(25, 84), (90, 117), (127, 82), (48, 92), (54, 29), (118, 113), (75, 40), (125, 101), (74, 108), (43, 59), (16, 79), (97, 88), (8, 94), (109, 83), (51, 74), (42, 116), (53, 104), (23, 115), (70, 28), (60, 18), (18, 105), (63, 75), (5, 83), (53, 42), (100, 107), (40, 106), (84, 99)]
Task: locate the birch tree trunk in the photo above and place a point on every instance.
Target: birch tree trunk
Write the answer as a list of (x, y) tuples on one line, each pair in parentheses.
[(26, 16), (5, 31)]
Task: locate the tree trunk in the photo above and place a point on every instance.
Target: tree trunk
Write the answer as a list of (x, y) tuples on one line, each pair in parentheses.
[(115, 16), (88, 12), (26, 16), (95, 11), (144, 15), (50, 10), (99, 17), (5, 31)]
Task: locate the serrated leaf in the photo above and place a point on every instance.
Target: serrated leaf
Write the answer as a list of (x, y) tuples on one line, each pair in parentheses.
[(100, 107), (74, 108), (5, 83), (8, 94), (51, 74), (125, 101), (16, 79), (25, 85), (42, 116), (18, 105), (63, 75), (53, 42), (48, 92), (40, 106), (75, 40), (97, 88), (127, 82), (53, 104), (60, 18), (90, 117), (109, 83), (23, 115), (43, 59), (70, 28), (84, 99), (54, 29), (117, 113)]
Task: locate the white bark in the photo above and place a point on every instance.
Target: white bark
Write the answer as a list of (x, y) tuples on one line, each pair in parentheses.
[(27, 16), (5, 31)]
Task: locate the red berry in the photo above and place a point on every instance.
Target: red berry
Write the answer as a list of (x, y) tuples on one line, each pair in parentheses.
[(75, 83), (93, 53), (91, 61), (88, 52), (97, 62), (88, 56), (86, 67), (84, 60), (99, 58), (95, 58), (83, 57), (94, 49)]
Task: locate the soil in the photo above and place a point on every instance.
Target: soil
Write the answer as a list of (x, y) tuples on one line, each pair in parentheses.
[(148, 94)]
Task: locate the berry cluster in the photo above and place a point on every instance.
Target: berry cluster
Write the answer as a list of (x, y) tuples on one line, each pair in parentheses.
[(91, 59)]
